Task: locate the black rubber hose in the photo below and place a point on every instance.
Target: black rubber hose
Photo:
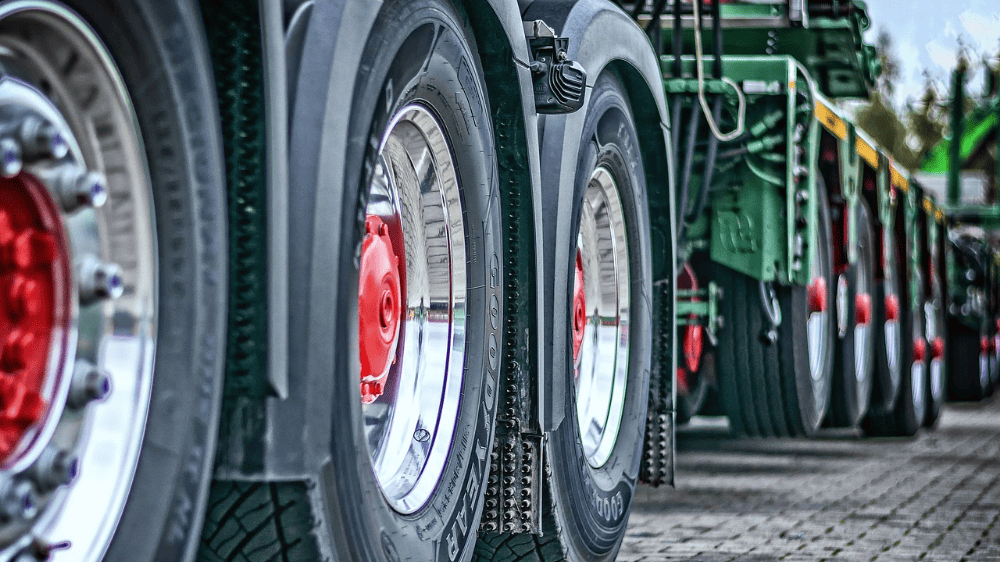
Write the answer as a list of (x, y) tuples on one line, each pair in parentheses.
[(710, 158), (716, 43), (678, 45)]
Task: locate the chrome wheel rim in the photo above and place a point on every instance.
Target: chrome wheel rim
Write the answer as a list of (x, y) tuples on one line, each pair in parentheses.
[(89, 449), (933, 331), (601, 362), (415, 193)]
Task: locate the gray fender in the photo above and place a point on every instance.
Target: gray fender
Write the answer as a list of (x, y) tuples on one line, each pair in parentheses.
[(290, 438), (600, 36)]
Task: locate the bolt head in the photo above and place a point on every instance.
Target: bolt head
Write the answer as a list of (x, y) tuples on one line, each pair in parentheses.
[(10, 158)]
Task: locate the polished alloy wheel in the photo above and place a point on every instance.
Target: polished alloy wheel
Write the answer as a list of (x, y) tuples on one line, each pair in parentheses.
[(412, 305), (602, 357), (78, 271)]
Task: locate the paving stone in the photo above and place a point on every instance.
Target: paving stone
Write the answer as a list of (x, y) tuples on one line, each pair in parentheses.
[(837, 497)]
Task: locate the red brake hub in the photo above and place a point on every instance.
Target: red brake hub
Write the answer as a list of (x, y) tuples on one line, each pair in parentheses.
[(919, 350), (816, 295), (937, 348), (891, 308), (34, 300), (379, 307), (862, 309), (984, 344), (579, 307)]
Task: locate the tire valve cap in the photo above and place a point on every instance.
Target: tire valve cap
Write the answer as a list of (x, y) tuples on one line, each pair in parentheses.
[(89, 384), (10, 158), (76, 188), (40, 139), (99, 280), (55, 467)]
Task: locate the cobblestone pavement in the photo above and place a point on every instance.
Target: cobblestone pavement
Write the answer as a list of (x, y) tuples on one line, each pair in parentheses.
[(836, 497)]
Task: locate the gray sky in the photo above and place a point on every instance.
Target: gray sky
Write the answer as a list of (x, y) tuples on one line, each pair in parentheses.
[(926, 36)]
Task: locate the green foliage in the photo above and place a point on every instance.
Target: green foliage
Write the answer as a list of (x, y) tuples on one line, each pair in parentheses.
[(881, 122)]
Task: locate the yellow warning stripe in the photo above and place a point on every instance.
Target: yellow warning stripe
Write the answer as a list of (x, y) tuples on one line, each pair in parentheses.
[(867, 152), (898, 180), (829, 119), (928, 206), (939, 215)]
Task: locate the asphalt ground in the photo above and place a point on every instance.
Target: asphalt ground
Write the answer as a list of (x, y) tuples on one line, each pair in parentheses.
[(835, 497)]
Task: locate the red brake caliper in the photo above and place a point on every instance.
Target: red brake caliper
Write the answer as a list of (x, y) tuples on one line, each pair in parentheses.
[(379, 308), (919, 350), (34, 269), (693, 343), (579, 307), (937, 348)]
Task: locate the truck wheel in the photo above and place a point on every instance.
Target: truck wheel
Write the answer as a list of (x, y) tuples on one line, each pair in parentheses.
[(403, 285), (594, 455), (852, 379), (776, 382), (907, 415), (807, 332), (888, 332), (113, 269)]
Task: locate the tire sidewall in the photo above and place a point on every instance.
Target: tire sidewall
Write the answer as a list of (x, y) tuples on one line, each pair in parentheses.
[(159, 49), (420, 52), (598, 500)]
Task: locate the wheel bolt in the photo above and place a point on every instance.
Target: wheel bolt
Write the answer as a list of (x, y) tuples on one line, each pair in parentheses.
[(99, 280), (23, 298), (10, 158), (75, 187), (55, 467), (19, 501), (40, 139), (89, 384)]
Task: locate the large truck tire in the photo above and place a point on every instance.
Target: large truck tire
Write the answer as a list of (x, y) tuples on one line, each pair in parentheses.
[(113, 227), (413, 283), (774, 382), (593, 457), (907, 415), (854, 360)]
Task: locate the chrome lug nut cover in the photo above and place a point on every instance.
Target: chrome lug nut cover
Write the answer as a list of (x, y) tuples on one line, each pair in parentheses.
[(18, 500), (99, 280), (10, 158), (55, 467), (75, 187), (89, 384), (41, 139)]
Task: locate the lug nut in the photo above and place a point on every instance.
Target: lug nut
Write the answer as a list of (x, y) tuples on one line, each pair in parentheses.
[(89, 384), (41, 139), (18, 501), (10, 158), (55, 467), (99, 280), (75, 187)]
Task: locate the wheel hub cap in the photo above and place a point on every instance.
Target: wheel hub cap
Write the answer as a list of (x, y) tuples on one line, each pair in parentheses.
[(34, 273), (379, 308), (862, 309), (579, 307), (817, 295), (891, 308)]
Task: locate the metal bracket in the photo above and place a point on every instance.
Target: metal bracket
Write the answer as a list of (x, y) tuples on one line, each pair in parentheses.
[(559, 83)]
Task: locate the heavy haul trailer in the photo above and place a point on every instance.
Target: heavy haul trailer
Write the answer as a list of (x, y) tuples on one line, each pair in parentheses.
[(805, 255), (289, 279)]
